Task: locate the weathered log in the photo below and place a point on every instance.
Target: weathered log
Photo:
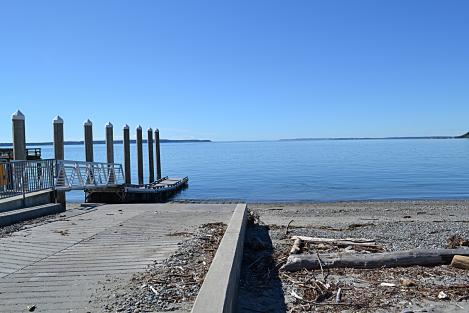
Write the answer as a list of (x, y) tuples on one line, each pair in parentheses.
[(339, 242), (460, 261), (424, 257)]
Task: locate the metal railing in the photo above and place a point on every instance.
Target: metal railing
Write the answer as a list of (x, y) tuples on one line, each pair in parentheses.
[(22, 177), (77, 175)]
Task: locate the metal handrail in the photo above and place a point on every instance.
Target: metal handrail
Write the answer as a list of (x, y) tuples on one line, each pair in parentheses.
[(23, 177)]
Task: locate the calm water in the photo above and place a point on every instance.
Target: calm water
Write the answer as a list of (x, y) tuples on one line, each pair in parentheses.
[(310, 170)]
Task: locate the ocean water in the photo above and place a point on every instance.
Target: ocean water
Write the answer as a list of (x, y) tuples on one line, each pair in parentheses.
[(318, 170)]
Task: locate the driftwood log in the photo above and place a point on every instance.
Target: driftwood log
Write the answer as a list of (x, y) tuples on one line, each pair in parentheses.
[(424, 257), (338, 242)]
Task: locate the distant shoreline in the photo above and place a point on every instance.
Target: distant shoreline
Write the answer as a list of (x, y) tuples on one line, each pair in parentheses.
[(72, 143), (133, 141), (372, 138), (465, 136)]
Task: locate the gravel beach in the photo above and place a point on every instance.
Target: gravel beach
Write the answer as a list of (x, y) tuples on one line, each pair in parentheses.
[(395, 225)]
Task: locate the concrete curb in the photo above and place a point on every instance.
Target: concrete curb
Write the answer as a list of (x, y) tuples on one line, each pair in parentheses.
[(31, 199), (219, 290), (16, 216)]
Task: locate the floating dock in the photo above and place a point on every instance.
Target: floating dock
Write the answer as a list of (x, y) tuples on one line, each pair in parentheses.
[(158, 191)]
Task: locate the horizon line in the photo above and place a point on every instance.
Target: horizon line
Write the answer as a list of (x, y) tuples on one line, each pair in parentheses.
[(119, 141)]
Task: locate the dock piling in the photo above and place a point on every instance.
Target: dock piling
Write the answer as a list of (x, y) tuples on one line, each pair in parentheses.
[(151, 162), (19, 136), (109, 143), (139, 155), (157, 152), (110, 149), (58, 123), (88, 126), (127, 173)]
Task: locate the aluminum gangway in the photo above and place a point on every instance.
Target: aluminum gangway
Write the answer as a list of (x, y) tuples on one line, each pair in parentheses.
[(79, 175)]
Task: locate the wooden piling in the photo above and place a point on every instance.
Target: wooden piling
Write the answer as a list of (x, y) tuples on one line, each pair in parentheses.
[(58, 123), (127, 173), (157, 152), (151, 162), (110, 150), (109, 143), (19, 136), (139, 155), (88, 127)]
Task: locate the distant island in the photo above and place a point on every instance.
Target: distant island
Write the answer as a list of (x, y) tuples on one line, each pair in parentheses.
[(70, 143), (466, 135)]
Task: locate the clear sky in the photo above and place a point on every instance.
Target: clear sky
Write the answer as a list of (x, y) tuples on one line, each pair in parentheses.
[(237, 70)]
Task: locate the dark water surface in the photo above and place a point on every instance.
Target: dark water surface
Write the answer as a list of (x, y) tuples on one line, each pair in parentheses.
[(320, 170)]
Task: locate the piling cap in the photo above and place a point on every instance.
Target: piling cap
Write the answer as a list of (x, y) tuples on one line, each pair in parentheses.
[(150, 130), (139, 127), (126, 126), (157, 130), (17, 116), (58, 120), (108, 125), (88, 123)]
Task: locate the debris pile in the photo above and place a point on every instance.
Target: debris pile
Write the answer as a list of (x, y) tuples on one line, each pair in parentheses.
[(456, 241), (330, 275), (371, 290)]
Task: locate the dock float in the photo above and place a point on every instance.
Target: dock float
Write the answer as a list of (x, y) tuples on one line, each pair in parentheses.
[(158, 191)]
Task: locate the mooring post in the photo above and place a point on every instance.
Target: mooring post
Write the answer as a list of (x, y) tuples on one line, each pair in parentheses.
[(109, 143), (110, 150), (139, 155), (151, 162), (59, 153), (19, 136), (157, 152), (19, 151), (127, 173), (88, 126)]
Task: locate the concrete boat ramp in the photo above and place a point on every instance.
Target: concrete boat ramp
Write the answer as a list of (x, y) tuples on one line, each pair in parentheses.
[(58, 265)]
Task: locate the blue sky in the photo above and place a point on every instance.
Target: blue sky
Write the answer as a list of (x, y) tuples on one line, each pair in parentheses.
[(237, 70)]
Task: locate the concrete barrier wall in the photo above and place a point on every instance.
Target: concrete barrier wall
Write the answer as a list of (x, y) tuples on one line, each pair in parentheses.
[(20, 215), (31, 199), (219, 290)]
